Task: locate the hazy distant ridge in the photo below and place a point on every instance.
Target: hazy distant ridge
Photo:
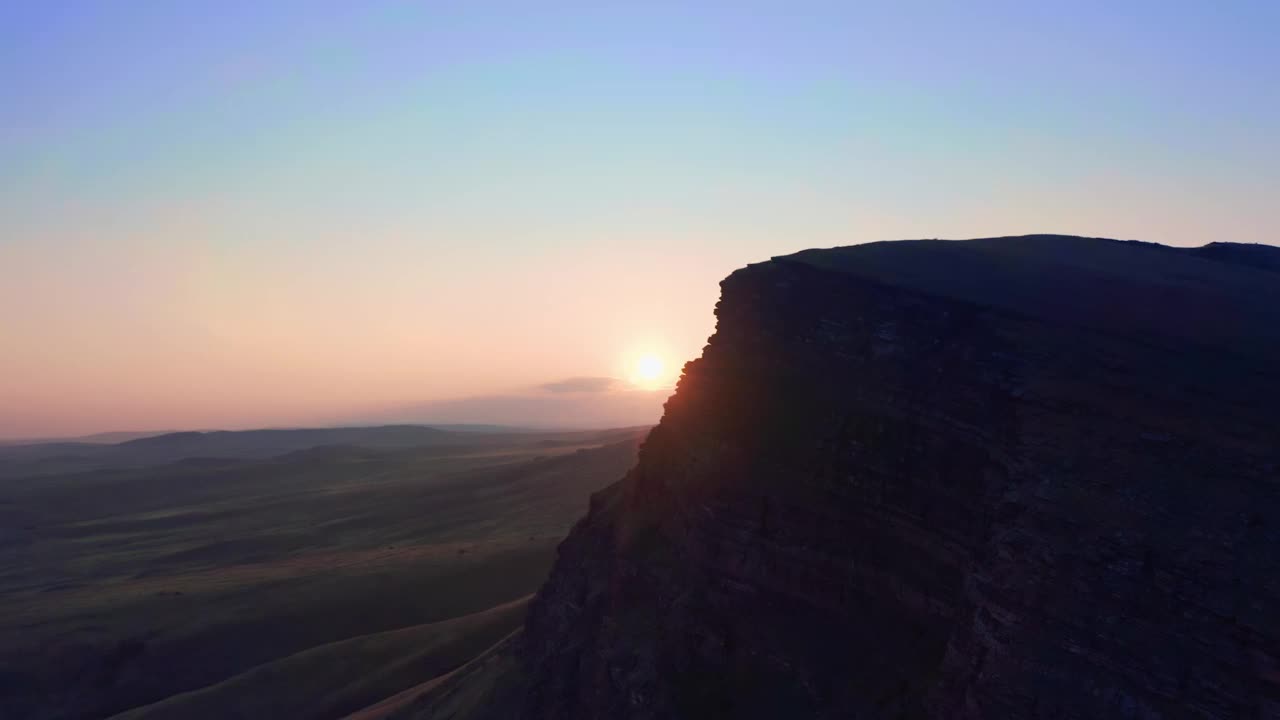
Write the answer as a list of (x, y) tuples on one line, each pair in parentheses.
[(59, 457)]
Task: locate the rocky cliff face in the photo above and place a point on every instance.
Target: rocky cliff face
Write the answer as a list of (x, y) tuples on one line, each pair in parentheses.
[(1015, 478)]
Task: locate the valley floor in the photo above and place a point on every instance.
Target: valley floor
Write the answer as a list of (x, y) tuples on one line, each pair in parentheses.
[(306, 585)]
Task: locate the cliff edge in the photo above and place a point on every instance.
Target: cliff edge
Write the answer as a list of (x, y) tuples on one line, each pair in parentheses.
[(1029, 477)]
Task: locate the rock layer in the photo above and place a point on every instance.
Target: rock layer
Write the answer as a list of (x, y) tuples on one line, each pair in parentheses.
[(1022, 477)]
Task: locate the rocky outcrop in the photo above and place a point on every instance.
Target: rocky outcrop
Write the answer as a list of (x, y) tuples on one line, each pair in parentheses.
[(1014, 478)]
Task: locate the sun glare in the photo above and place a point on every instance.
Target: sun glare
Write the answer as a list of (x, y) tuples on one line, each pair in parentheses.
[(649, 371)]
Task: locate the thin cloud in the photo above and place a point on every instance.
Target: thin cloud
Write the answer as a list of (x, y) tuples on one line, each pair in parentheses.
[(581, 385)]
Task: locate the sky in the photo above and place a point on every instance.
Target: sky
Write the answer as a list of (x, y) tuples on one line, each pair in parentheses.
[(241, 214)]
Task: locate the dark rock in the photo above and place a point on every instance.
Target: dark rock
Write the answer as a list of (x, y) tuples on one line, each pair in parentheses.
[(1009, 478)]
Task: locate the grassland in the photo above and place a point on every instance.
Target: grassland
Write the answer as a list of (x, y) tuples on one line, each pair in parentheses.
[(341, 678), (126, 585)]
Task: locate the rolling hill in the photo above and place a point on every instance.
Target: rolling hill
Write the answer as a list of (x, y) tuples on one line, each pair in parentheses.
[(124, 585)]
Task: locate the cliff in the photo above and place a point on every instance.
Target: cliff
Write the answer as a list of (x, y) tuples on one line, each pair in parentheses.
[(1031, 477)]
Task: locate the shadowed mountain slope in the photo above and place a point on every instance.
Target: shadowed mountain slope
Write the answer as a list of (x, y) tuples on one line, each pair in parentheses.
[(1031, 477)]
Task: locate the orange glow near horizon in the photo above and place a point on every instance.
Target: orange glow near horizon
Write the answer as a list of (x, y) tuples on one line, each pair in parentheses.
[(404, 205)]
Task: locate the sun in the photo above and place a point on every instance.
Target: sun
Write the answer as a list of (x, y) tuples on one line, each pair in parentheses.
[(648, 371)]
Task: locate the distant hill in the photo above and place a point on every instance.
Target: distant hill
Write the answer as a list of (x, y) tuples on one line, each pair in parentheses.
[(1263, 257), (264, 443), (106, 438), (480, 427), (44, 458), (72, 456)]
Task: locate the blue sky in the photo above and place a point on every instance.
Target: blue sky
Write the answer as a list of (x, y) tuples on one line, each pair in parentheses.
[(200, 179), (380, 103)]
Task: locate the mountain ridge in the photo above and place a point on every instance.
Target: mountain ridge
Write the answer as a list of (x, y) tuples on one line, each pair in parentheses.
[(892, 491)]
